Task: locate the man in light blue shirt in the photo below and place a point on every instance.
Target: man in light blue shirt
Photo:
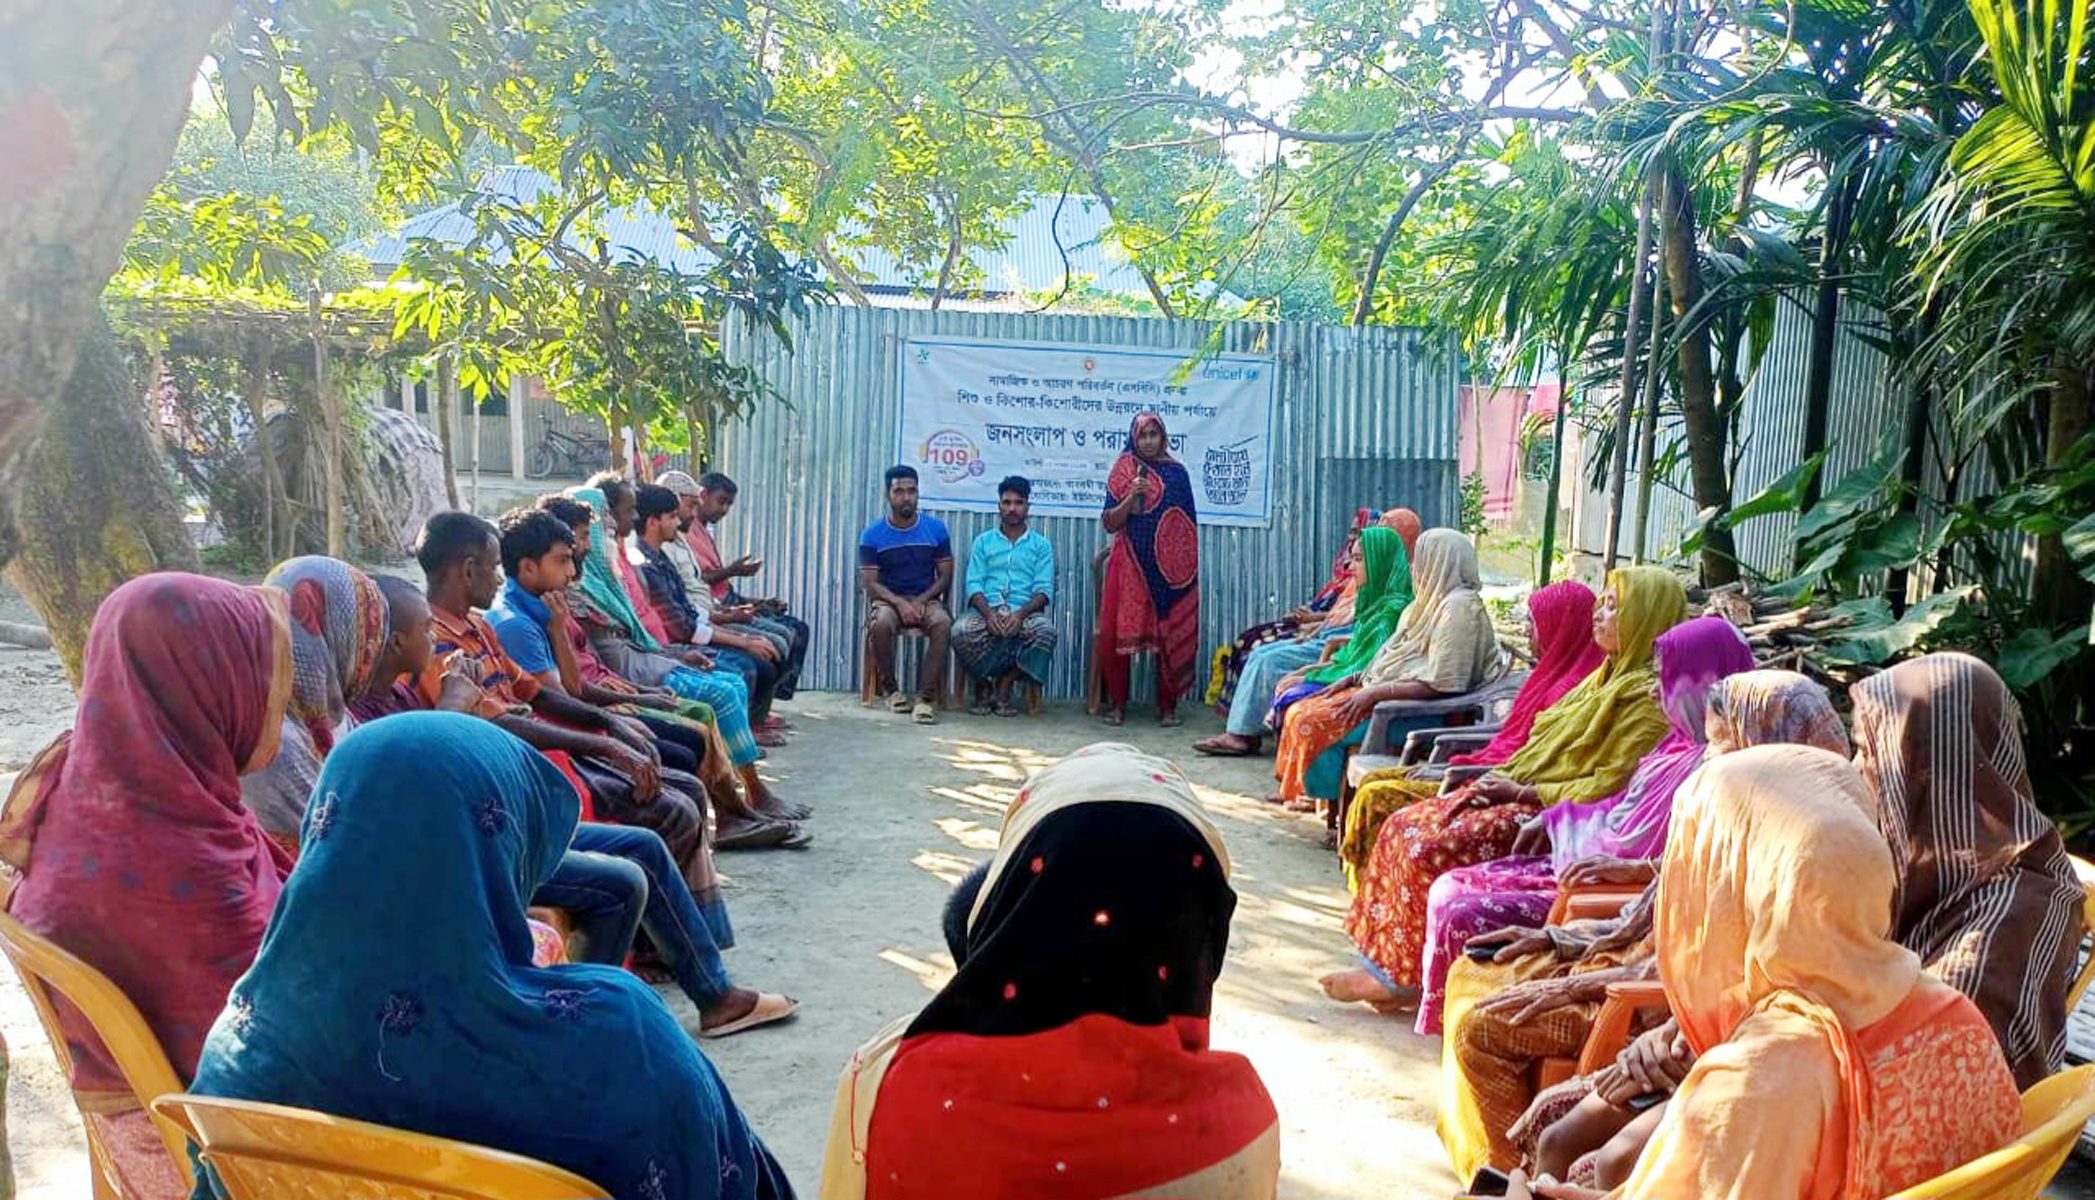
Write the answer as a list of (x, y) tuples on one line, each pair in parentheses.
[(1004, 634)]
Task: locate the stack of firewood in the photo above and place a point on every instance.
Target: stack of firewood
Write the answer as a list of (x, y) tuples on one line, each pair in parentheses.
[(1781, 633)]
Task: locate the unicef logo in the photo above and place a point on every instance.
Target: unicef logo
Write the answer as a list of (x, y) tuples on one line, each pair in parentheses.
[(951, 455)]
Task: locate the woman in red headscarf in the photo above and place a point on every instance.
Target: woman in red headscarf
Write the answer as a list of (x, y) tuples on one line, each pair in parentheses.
[(1151, 599), (128, 837)]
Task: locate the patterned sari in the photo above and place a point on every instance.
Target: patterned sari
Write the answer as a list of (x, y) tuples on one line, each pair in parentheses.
[(1151, 598), (1583, 747), (1442, 638), (1517, 892), (340, 623)]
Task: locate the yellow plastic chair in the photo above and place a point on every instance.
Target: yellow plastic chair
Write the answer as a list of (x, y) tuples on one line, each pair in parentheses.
[(46, 969), (2085, 870), (2053, 1113), (270, 1151)]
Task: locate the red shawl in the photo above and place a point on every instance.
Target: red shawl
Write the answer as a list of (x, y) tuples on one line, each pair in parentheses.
[(137, 852), (1151, 599), (1565, 653)]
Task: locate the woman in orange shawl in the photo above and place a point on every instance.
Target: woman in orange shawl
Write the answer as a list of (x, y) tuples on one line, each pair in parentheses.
[(1829, 1066)]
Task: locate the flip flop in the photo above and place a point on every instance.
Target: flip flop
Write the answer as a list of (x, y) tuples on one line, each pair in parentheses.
[(800, 839), (770, 739), (792, 813), (1171, 720), (1214, 748), (757, 836), (979, 708), (771, 1007), (897, 702), (1006, 708), (925, 713)]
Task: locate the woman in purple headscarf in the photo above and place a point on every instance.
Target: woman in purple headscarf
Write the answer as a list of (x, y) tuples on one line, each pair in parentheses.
[(1613, 840)]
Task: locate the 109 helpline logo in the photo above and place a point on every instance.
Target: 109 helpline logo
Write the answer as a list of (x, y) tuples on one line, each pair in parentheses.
[(952, 456)]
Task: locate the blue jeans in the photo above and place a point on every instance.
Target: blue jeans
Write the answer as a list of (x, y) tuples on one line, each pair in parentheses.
[(1261, 675), (603, 896), (689, 946)]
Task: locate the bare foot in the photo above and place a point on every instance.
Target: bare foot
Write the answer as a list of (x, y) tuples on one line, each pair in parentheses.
[(1359, 986)]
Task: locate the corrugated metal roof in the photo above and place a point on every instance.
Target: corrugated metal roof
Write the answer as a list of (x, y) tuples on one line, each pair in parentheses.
[(1031, 258), (629, 231)]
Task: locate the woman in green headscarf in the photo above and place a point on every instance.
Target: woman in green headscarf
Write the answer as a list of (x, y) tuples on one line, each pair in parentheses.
[(1369, 611), (1442, 645)]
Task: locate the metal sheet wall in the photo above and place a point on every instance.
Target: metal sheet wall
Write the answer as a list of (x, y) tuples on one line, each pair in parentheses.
[(1365, 417), (1864, 408)]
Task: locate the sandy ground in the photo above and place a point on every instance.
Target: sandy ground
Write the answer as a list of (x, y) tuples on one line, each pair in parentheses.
[(850, 927)]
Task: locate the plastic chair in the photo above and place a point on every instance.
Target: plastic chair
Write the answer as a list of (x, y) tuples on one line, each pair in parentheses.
[(2053, 1113), (1487, 703), (2085, 871), (1600, 902), (46, 969), (270, 1151)]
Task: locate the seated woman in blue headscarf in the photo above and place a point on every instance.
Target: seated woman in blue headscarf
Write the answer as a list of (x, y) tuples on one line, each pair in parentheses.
[(428, 831)]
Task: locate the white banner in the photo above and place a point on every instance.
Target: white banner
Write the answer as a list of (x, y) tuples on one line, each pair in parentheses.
[(975, 411)]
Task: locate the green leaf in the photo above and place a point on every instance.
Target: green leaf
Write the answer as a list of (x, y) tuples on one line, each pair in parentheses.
[(1882, 547), (1878, 646), (1784, 495), (2032, 654), (1858, 492), (2080, 545)]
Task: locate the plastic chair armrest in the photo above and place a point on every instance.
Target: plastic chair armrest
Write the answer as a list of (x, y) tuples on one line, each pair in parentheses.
[(1455, 777), (1611, 1028)]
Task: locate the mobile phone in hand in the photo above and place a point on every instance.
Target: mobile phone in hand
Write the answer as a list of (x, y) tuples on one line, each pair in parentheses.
[(1489, 1183), (1645, 1102), (1482, 954)]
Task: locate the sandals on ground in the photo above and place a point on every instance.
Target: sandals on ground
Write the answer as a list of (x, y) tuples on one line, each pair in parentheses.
[(925, 713), (771, 1008)]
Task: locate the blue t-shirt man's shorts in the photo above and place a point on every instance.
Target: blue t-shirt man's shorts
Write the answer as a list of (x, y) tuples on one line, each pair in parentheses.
[(907, 559)]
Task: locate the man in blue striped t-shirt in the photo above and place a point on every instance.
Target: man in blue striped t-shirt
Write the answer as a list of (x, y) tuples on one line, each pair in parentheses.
[(905, 563)]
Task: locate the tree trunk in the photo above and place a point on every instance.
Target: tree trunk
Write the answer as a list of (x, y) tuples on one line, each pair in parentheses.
[(1371, 278), (93, 502), (1639, 300), (1698, 386), (326, 396), (95, 98), (442, 405), (255, 394), (1648, 427), (1825, 335), (2059, 594)]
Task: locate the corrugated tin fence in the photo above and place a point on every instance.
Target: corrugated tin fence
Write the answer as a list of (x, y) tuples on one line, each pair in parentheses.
[(1365, 418), (1866, 409)]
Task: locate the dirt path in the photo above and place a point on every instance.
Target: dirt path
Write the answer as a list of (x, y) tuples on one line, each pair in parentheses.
[(851, 928)]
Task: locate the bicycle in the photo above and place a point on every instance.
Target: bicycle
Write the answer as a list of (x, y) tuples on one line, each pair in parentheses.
[(559, 452)]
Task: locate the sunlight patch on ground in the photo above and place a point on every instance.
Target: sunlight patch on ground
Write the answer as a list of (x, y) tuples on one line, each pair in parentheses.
[(972, 834), (932, 972), (948, 868)]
